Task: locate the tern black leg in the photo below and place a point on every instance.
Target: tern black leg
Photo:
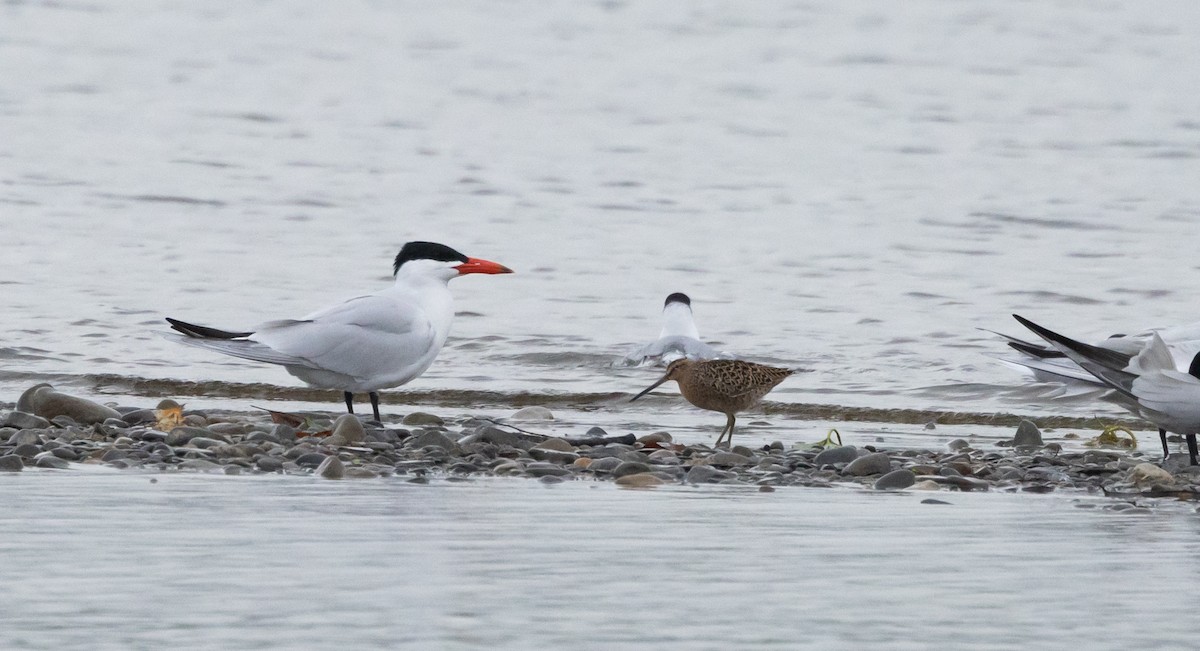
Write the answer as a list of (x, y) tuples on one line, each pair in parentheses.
[(375, 404), (1191, 438), (1162, 436), (349, 401)]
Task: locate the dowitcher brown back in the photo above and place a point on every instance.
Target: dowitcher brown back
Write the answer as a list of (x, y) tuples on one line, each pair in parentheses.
[(725, 385)]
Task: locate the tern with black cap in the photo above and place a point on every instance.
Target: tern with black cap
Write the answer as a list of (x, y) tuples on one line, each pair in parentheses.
[(372, 342)]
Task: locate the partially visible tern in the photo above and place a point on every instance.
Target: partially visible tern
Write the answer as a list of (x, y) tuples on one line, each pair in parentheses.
[(367, 343), (1160, 392), (678, 339)]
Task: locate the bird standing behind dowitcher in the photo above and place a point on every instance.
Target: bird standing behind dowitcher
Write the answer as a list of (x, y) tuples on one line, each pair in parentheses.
[(724, 385)]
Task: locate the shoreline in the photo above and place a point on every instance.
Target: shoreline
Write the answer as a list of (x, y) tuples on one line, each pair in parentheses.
[(55, 430)]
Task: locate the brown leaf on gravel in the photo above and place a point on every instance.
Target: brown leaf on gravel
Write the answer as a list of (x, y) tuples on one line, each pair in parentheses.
[(283, 418)]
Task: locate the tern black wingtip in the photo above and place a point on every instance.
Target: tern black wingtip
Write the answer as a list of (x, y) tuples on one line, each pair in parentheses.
[(204, 332), (1108, 358)]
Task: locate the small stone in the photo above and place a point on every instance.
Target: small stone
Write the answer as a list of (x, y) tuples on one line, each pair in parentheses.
[(200, 465), (181, 435), (204, 442), (605, 465), (27, 450), (1148, 473), (532, 414), (957, 444), (766, 489), (926, 485), (896, 480), (931, 425), (11, 463), (358, 472), (639, 480), (931, 500), (431, 438), (1028, 435), (553, 456), (51, 461), (582, 462), (22, 420), (269, 464), (555, 444), (876, 463), (595, 432), (743, 450), (542, 469), (630, 468), (332, 468), (347, 430), (727, 460), (705, 475), (310, 460), (24, 437), (422, 419), (844, 454)]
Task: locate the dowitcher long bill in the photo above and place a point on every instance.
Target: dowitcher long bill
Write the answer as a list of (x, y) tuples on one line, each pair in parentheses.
[(725, 385)]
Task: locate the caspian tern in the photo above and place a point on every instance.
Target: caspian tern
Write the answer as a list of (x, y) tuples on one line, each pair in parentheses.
[(367, 343), (1161, 393), (678, 339)]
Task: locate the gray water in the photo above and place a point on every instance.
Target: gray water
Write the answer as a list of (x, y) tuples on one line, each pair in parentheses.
[(216, 562), (848, 188)]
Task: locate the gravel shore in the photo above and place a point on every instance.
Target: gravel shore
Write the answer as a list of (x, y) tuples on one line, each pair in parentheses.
[(55, 430)]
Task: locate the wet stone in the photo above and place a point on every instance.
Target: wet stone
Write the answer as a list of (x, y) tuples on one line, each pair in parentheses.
[(553, 456), (181, 435), (705, 475), (896, 480), (25, 437), (1028, 435), (42, 400), (22, 420), (630, 468), (876, 463), (139, 417), (640, 480), (310, 460), (844, 454), (957, 444), (347, 430), (51, 461), (727, 460), (431, 438), (331, 468), (199, 465), (26, 450), (532, 414), (11, 463), (422, 419), (605, 464), (542, 469)]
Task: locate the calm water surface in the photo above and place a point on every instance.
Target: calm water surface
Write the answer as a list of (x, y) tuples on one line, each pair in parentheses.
[(217, 562), (849, 188)]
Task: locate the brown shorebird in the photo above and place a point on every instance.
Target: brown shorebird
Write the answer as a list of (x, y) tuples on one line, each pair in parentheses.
[(724, 385)]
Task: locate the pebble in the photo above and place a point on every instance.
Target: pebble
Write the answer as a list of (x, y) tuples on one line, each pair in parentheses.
[(441, 450), (876, 463), (532, 414), (727, 460), (1028, 435), (421, 419), (1149, 474), (844, 454), (896, 480), (331, 468), (23, 420), (11, 463), (639, 480)]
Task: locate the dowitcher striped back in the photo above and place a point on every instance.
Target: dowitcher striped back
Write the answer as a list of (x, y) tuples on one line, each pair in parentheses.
[(725, 385)]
